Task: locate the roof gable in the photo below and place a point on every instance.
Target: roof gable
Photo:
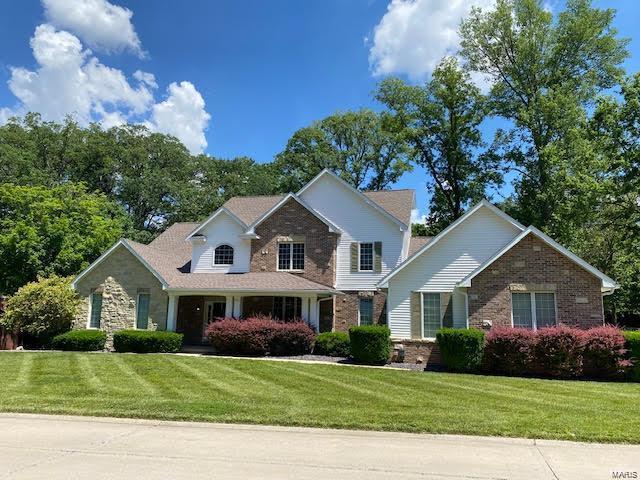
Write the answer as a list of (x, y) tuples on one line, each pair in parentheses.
[(396, 204), (607, 282), (484, 204), (221, 211)]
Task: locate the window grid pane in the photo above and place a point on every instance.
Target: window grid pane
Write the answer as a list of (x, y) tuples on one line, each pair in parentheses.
[(521, 307), (298, 256), (223, 255), (545, 310), (431, 314), (366, 256), (284, 256), (142, 315), (96, 310), (366, 311)]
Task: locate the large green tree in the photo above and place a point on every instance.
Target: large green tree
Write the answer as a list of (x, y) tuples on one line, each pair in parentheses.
[(545, 73), (363, 147), (53, 230), (440, 123)]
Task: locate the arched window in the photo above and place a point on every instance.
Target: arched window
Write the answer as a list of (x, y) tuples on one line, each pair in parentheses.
[(223, 255)]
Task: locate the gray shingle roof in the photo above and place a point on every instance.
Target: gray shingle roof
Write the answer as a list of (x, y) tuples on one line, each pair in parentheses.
[(396, 202), (416, 243), (249, 209)]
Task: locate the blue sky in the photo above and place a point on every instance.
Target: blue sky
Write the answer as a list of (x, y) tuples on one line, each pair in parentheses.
[(238, 76)]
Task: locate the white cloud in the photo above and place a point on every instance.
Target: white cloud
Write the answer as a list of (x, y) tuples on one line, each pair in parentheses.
[(183, 115), (69, 80), (416, 217), (100, 24), (414, 35)]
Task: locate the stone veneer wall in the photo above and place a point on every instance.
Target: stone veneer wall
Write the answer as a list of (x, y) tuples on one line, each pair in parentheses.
[(346, 309), (121, 276), (529, 266), (294, 221)]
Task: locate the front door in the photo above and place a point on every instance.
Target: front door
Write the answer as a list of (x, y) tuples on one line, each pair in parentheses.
[(213, 310)]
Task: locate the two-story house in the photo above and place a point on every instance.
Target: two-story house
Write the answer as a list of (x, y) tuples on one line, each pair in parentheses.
[(336, 257)]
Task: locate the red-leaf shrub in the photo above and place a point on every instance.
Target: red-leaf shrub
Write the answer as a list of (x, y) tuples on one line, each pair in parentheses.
[(509, 350), (558, 352), (260, 336), (604, 352)]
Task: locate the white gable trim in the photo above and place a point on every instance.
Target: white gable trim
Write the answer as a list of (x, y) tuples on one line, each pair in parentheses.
[(212, 217), (607, 282), (362, 196), (332, 227), (384, 283), (122, 242)]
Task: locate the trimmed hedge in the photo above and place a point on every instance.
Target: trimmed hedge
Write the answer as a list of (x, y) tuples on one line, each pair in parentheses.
[(333, 344), (558, 352), (147, 341), (509, 350), (603, 352), (370, 344), (461, 348), (632, 344), (260, 336), (80, 341)]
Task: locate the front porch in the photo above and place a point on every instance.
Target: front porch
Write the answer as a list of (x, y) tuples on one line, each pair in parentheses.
[(190, 314)]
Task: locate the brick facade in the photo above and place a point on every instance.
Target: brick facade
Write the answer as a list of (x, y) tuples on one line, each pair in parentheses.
[(346, 308), (121, 277), (532, 265), (425, 352), (295, 222)]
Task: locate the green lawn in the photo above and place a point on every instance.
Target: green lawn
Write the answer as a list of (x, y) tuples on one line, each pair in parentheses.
[(287, 393)]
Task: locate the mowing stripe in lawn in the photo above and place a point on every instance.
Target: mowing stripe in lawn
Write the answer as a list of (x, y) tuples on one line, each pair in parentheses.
[(129, 372)]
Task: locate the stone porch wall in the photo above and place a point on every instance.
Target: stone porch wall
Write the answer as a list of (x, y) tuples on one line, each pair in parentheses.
[(120, 277), (533, 265)]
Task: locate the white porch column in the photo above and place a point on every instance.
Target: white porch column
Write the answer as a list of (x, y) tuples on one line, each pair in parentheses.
[(237, 306), (228, 310), (306, 304), (314, 319), (172, 313)]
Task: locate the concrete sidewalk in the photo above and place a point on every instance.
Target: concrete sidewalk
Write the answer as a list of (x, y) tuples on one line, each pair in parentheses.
[(60, 447)]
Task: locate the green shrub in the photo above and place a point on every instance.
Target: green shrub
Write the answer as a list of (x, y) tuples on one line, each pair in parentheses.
[(146, 341), (333, 344), (632, 345), (461, 348), (80, 341), (370, 344), (41, 310)]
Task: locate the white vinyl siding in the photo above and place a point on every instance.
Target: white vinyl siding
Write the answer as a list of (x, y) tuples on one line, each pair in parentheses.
[(533, 309), (223, 230), (446, 263), (359, 222)]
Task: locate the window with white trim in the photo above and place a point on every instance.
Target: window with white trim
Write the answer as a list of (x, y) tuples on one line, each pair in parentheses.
[(223, 255), (142, 311), (290, 256), (533, 309), (365, 311), (437, 312), (365, 257), (95, 311)]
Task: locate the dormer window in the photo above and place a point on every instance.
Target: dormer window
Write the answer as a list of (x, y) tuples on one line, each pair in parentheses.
[(223, 255)]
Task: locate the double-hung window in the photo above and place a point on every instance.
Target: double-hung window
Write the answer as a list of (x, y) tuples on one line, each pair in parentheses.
[(437, 312), (365, 311), (290, 256), (142, 311), (533, 309), (95, 311), (365, 257)]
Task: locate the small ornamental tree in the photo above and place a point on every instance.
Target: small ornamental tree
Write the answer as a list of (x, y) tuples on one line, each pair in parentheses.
[(41, 310)]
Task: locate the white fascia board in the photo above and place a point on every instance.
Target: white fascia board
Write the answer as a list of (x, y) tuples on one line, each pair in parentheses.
[(332, 227), (384, 283), (608, 285), (249, 291), (403, 226), (122, 242), (212, 217)]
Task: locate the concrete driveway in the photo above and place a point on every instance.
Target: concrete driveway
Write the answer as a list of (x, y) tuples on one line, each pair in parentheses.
[(56, 447)]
